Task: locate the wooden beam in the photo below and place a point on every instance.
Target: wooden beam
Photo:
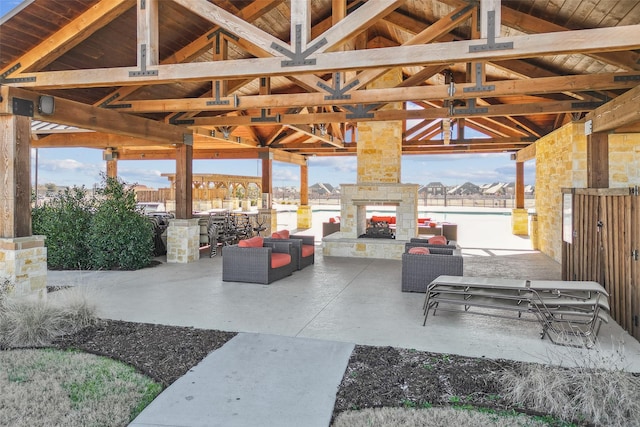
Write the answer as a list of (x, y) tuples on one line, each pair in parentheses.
[(501, 88), (100, 140), (85, 116), (234, 25), (300, 23), (527, 153), (148, 34), (619, 112), (433, 113), (598, 160), (69, 36), (357, 21), (536, 45), (112, 168), (304, 185)]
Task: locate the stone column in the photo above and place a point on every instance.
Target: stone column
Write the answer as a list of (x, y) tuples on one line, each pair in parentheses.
[(23, 261), (270, 218), (519, 215), (183, 241)]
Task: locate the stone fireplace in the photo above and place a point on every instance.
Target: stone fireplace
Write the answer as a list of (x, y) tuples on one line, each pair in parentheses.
[(355, 198), (354, 201), (379, 149)]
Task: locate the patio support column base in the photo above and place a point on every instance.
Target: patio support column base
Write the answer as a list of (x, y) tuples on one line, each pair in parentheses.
[(183, 241), (304, 216), (23, 262), (270, 221), (520, 222)]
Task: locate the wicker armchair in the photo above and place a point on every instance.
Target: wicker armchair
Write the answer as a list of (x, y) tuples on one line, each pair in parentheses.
[(304, 245), (451, 244), (419, 270), (253, 264)]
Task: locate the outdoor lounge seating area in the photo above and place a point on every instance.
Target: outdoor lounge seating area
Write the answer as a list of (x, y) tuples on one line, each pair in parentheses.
[(569, 312), (265, 260)]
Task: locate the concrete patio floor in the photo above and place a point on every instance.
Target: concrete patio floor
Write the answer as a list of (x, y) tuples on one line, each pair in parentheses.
[(350, 300)]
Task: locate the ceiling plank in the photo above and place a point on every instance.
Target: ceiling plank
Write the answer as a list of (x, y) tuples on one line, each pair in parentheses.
[(579, 41), (99, 140), (71, 35)]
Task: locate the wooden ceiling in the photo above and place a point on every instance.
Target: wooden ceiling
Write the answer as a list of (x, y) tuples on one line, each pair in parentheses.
[(145, 75)]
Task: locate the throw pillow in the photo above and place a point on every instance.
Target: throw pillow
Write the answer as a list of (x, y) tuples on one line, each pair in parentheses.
[(438, 240), (419, 250), (254, 242)]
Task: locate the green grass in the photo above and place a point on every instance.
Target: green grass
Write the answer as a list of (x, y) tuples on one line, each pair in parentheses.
[(52, 387)]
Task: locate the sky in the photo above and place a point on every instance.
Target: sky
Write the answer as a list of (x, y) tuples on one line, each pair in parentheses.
[(68, 167)]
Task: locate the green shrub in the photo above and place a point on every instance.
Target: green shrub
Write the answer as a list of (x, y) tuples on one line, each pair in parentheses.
[(66, 221), (120, 236)]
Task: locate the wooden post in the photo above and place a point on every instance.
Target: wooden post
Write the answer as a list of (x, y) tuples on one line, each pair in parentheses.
[(304, 185), (519, 185), (267, 188), (598, 160), (112, 168), (15, 176), (184, 178)]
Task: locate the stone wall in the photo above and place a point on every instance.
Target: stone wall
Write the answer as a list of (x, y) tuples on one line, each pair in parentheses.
[(183, 241), (561, 162)]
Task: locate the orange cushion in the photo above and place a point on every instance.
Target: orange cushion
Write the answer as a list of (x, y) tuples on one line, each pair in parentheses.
[(276, 235), (438, 240), (307, 250), (254, 242), (284, 234), (419, 250), (279, 259)]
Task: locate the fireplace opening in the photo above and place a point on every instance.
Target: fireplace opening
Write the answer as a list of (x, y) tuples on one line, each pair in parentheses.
[(378, 230)]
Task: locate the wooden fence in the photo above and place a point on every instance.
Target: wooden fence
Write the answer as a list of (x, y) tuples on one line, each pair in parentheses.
[(603, 245)]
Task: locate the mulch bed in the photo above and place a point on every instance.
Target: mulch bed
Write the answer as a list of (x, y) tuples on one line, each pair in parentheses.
[(375, 376)]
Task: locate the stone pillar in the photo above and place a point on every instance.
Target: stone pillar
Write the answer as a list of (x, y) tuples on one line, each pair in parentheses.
[(23, 261), (519, 215), (520, 222), (380, 143), (304, 216), (183, 241), (270, 221)]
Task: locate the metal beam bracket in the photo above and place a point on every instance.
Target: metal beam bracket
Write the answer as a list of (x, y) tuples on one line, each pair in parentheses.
[(479, 87), (187, 139), (23, 107), (586, 105), (265, 119), (174, 120), (631, 78), (143, 66), (218, 101), (361, 111), (471, 108), (491, 37), (298, 57), (336, 91), (4, 79)]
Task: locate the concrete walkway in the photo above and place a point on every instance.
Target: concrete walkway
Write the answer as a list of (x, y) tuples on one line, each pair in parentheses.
[(255, 380)]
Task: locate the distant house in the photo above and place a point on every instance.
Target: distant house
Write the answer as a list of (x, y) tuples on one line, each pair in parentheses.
[(433, 189), (322, 189), (466, 189), (496, 189)]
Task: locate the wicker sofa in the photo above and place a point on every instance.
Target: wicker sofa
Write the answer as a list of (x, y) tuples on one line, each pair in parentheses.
[(304, 245), (254, 264), (418, 270)]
